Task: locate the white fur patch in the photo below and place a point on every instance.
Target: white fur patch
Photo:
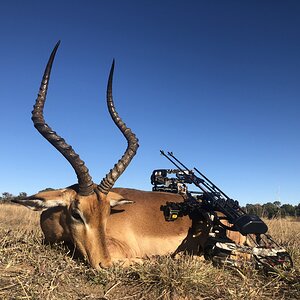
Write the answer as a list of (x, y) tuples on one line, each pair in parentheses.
[(114, 203), (37, 204), (116, 199)]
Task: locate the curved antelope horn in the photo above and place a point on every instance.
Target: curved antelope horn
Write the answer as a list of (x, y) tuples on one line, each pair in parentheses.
[(107, 183), (84, 179)]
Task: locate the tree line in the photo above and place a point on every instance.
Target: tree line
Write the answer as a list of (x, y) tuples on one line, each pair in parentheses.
[(268, 210), (273, 210), (6, 197)]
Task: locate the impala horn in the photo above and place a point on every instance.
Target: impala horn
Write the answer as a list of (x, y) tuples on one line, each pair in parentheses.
[(84, 179), (107, 183)]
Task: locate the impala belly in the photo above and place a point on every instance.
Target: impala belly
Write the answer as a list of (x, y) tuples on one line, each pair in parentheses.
[(140, 229), (132, 246)]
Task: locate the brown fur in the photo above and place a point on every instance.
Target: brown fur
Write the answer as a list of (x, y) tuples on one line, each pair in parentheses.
[(125, 232)]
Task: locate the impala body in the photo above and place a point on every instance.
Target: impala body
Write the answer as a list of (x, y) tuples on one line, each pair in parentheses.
[(116, 230), (108, 224)]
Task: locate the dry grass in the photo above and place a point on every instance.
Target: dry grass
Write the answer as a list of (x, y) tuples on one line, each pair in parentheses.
[(31, 270)]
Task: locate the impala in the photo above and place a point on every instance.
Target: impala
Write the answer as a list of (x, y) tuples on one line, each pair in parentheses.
[(107, 224)]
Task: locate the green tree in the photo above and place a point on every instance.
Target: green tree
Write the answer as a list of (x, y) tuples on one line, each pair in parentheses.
[(277, 203), (270, 210), (47, 189), (6, 196), (297, 210), (254, 209), (22, 195), (288, 210)]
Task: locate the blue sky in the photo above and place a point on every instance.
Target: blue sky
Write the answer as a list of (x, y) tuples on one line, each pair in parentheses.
[(216, 82)]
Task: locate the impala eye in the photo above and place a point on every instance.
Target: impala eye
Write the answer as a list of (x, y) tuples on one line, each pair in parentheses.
[(76, 215)]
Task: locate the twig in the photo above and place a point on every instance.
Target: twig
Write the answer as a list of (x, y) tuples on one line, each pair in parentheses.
[(111, 288), (20, 282), (7, 287)]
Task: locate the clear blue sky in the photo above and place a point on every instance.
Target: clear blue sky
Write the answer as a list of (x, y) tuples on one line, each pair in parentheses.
[(216, 82)]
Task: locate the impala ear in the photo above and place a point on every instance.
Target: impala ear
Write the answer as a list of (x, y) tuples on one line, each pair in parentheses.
[(114, 203), (40, 204), (47, 199), (116, 199)]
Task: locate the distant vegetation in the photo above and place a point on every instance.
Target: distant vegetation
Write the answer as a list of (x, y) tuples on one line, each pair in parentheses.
[(6, 197), (268, 210), (273, 210)]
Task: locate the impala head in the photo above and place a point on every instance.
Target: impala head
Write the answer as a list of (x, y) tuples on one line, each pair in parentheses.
[(79, 213)]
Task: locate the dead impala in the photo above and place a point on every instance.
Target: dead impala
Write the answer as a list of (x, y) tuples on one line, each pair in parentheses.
[(103, 223)]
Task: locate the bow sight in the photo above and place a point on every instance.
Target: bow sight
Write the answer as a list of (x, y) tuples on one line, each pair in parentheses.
[(212, 205)]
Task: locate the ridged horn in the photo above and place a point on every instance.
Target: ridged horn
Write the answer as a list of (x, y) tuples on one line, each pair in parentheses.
[(84, 179), (107, 183)]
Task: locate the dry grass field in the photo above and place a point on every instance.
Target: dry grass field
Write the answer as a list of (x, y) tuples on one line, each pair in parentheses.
[(31, 270)]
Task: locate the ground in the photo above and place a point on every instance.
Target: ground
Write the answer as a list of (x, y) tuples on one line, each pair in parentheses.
[(31, 270)]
